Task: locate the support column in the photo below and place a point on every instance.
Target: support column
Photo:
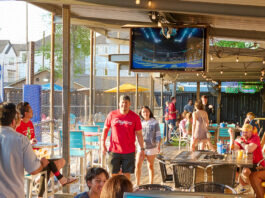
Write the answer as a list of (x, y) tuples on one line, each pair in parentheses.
[(198, 91), (66, 90), (91, 97), (118, 76), (52, 83), (219, 103), (136, 93), (174, 89), (31, 63), (151, 93)]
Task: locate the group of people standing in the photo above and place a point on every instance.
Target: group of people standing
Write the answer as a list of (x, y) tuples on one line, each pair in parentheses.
[(193, 122)]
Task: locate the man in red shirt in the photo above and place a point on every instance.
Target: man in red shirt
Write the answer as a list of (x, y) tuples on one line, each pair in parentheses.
[(172, 115), (251, 144), (26, 126), (125, 125)]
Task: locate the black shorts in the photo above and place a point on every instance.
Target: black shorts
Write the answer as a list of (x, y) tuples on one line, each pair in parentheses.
[(125, 162)]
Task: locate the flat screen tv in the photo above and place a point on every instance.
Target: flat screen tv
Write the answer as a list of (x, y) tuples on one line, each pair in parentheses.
[(167, 49)]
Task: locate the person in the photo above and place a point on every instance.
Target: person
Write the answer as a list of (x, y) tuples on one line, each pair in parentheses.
[(182, 124), (208, 108), (249, 143), (26, 128), (125, 125), (172, 115), (188, 125), (189, 107), (200, 122), (256, 178), (95, 178), (250, 120), (16, 154), (116, 186), (152, 139)]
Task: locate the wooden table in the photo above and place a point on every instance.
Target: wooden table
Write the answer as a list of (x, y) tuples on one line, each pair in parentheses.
[(204, 159)]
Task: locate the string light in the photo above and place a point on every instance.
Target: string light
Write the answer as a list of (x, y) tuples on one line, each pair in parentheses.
[(237, 59), (263, 62), (153, 15), (211, 57), (149, 3), (159, 24), (137, 2), (246, 73), (221, 72), (198, 74)]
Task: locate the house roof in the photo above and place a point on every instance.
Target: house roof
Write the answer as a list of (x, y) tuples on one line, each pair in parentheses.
[(3, 43)]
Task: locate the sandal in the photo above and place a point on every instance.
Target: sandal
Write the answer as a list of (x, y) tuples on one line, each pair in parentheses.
[(70, 181)]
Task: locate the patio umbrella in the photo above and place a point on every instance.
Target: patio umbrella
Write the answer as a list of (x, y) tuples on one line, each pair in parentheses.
[(48, 86), (127, 88)]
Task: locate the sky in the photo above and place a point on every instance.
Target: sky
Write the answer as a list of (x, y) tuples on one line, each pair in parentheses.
[(13, 22)]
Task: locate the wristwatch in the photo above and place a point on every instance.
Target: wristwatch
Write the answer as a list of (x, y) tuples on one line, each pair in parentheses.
[(142, 149)]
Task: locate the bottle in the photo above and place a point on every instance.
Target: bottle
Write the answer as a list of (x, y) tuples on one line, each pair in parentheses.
[(28, 133)]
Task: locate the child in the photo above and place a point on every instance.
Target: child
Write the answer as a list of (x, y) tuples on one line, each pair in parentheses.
[(95, 180)]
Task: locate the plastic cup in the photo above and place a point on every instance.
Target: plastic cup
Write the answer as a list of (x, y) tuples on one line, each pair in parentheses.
[(219, 148), (240, 154)]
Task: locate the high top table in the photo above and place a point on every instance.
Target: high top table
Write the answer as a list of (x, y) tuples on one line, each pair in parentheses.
[(205, 158)]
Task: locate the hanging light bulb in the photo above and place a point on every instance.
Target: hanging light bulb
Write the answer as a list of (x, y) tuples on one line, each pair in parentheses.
[(237, 59), (263, 62), (198, 74), (211, 57), (153, 15), (149, 3), (221, 72), (246, 73), (137, 2), (159, 24)]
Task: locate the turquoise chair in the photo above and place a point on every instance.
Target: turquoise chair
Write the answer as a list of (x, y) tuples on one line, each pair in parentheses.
[(92, 142), (100, 124), (214, 125), (78, 150), (231, 126), (223, 134), (162, 129)]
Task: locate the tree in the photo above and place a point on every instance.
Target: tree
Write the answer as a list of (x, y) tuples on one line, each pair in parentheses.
[(80, 49)]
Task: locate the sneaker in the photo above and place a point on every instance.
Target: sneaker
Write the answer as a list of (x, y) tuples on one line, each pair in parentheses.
[(243, 189)]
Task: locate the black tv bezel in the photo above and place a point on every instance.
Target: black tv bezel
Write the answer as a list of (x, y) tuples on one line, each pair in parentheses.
[(191, 70)]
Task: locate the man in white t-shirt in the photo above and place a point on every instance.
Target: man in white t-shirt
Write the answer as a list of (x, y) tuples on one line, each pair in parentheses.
[(16, 154)]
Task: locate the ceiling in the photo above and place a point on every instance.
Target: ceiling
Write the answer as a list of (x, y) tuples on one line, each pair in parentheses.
[(229, 19)]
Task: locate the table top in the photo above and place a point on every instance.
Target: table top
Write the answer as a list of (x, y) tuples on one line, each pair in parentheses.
[(92, 133), (44, 145), (204, 158)]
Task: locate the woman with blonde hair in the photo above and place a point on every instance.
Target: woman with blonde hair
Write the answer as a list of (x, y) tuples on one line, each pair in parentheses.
[(200, 125), (116, 186)]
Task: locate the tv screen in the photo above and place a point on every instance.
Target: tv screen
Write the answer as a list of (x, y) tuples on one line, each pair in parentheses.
[(158, 49)]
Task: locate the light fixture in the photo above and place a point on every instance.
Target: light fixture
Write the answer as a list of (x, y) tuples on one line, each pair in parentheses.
[(198, 74), (263, 61), (237, 59), (246, 73), (45, 79), (221, 72), (261, 78), (211, 57), (153, 15), (159, 24), (149, 3), (137, 2)]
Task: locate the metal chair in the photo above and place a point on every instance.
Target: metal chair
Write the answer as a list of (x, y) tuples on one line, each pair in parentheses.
[(183, 175), (223, 174), (223, 135), (78, 150), (154, 187), (163, 168), (211, 187), (92, 142)]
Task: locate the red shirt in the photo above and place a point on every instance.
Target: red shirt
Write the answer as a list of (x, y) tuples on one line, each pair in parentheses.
[(172, 108), (23, 128), (257, 154), (123, 127)]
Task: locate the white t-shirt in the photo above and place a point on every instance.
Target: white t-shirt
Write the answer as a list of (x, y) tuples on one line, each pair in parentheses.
[(16, 154)]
